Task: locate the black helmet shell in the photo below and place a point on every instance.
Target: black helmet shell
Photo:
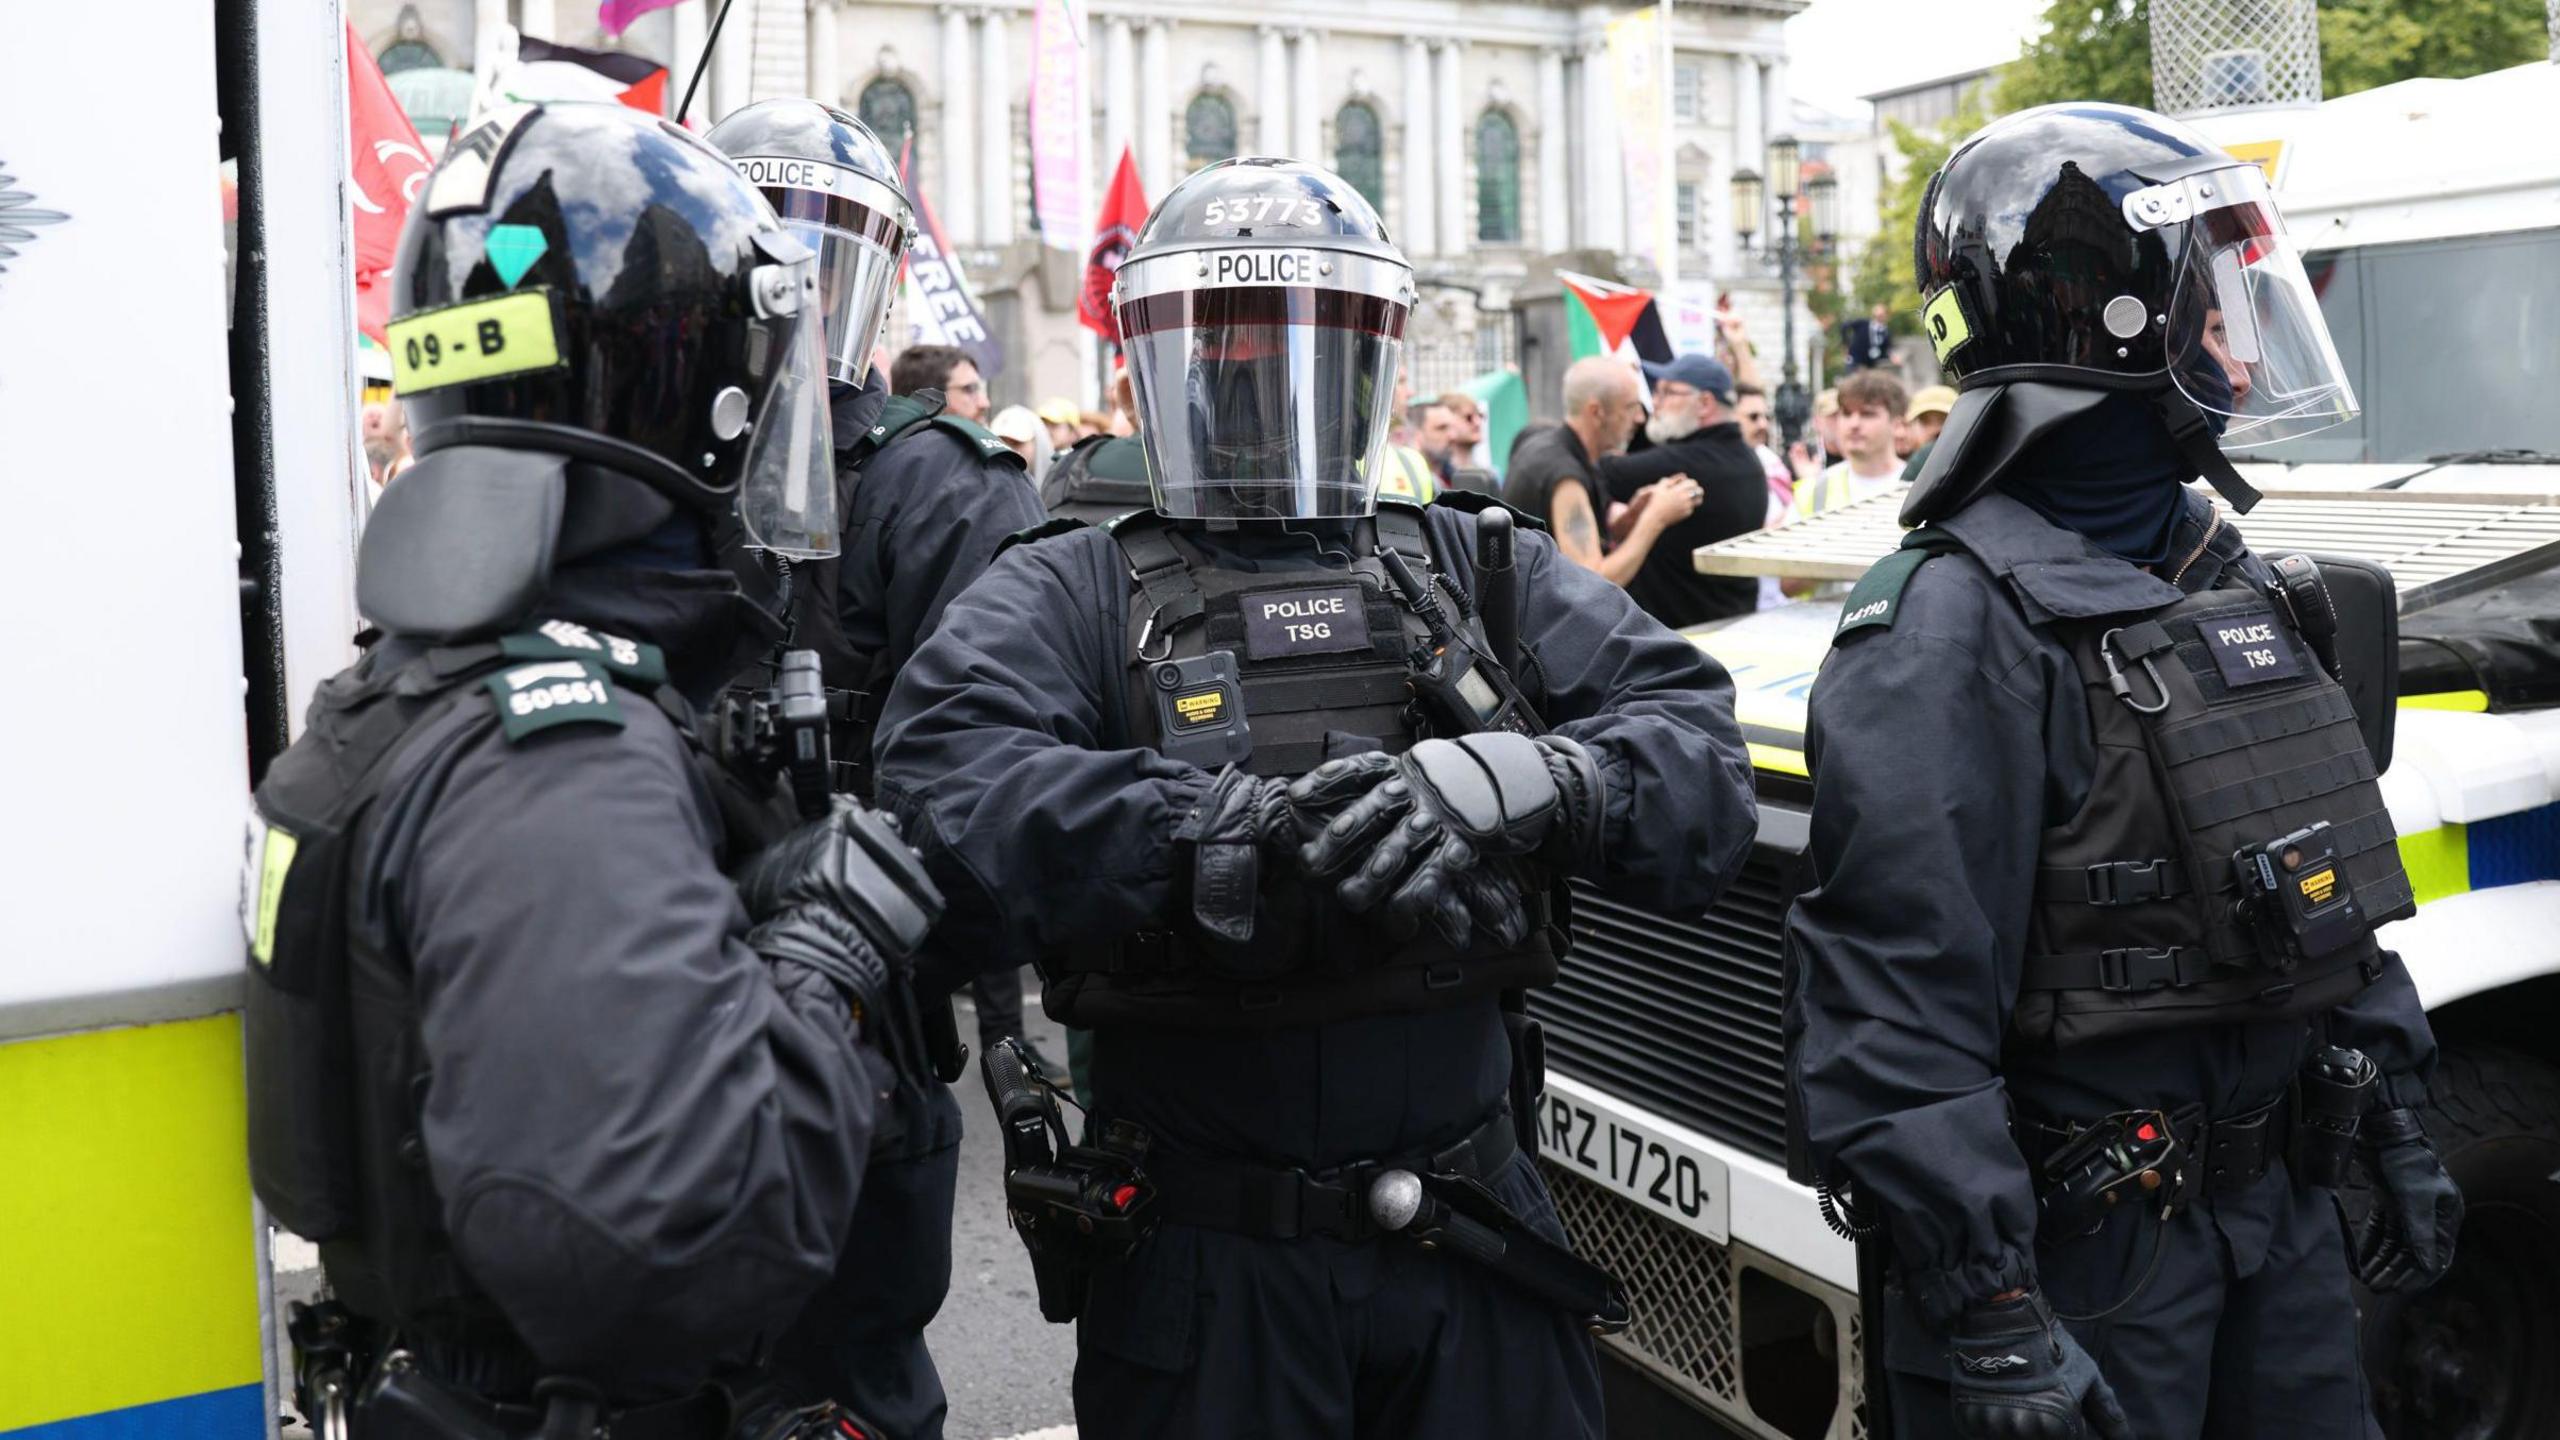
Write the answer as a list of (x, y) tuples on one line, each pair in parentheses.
[(2023, 244), (646, 244)]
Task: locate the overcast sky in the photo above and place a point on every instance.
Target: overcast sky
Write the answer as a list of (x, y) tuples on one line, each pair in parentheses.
[(1841, 49)]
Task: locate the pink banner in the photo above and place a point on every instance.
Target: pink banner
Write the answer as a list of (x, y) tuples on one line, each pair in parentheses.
[(1060, 122)]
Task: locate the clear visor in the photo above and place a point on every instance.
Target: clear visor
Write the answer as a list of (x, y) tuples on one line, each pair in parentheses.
[(2246, 340), (858, 251), (1264, 402), (787, 502)]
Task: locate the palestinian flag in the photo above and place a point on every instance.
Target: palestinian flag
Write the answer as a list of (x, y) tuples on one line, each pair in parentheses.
[(1602, 317), (544, 71)]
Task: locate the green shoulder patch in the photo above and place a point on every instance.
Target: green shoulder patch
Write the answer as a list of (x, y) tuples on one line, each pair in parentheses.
[(634, 660), (1878, 595), (557, 692), (989, 447)]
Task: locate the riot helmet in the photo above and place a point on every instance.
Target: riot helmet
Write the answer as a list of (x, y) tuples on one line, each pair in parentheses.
[(836, 187), (1263, 309), (595, 284), (2071, 251)]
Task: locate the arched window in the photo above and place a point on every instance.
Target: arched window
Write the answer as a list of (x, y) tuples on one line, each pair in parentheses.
[(408, 49), (889, 108), (1497, 179), (1358, 154), (1208, 130)]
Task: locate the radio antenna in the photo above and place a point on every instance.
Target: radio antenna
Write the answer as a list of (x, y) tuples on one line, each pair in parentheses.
[(703, 61)]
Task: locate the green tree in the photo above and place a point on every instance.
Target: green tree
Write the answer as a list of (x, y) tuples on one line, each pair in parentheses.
[(2101, 49), (2087, 50), (2365, 43), (1884, 270)]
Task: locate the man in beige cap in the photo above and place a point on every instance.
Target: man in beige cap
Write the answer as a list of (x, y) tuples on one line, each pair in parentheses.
[(1926, 417)]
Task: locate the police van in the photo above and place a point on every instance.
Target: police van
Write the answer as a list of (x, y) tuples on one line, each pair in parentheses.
[(182, 578), (2430, 211)]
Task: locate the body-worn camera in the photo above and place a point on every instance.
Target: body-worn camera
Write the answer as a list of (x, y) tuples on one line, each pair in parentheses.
[(780, 730), (2295, 890), (1075, 1206)]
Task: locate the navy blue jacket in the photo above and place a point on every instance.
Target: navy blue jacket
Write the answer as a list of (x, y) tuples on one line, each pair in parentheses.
[(996, 743)]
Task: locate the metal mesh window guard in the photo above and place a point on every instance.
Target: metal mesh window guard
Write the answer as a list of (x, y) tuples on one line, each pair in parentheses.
[(2209, 55)]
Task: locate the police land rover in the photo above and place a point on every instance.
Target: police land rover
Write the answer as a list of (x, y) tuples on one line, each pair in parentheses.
[(2432, 232)]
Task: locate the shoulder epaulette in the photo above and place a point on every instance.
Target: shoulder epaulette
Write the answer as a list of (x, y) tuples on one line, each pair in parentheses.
[(553, 692), (988, 446), (1059, 525), (1877, 597), (634, 660)]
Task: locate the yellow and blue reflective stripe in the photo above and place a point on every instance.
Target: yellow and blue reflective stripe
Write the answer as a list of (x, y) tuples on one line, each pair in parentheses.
[(130, 1303)]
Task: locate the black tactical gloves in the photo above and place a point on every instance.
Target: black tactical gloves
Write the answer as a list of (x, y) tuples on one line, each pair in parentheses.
[(1240, 819), (1431, 829), (2407, 1243), (2018, 1375), (843, 896)]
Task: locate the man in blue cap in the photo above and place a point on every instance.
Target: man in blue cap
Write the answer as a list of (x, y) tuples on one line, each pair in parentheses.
[(1694, 433)]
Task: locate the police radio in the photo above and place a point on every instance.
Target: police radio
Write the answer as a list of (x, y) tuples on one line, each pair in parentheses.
[(1463, 692), (780, 730)]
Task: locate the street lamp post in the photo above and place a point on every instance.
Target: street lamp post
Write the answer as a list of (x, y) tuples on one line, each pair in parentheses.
[(1790, 406)]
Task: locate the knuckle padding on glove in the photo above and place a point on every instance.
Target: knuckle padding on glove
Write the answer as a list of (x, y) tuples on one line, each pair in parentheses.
[(816, 936), (1486, 784)]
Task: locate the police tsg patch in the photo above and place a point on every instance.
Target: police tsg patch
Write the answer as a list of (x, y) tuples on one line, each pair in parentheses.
[(563, 692)]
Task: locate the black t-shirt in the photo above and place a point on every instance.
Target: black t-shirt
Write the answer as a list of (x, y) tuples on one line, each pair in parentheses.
[(1541, 459), (1669, 586)]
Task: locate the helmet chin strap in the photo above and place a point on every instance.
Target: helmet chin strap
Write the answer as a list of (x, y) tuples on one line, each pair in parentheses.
[(2199, 443)]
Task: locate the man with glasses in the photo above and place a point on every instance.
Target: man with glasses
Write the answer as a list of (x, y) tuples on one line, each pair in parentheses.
[(946, 368)]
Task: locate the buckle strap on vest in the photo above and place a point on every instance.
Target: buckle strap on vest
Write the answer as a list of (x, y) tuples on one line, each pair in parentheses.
[(2122, 971), (1163, 577), (2142, 640), (2111, 882), (1273, 1203)]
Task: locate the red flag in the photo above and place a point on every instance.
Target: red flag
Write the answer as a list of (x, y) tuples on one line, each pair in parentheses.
[(615, 16), (1124, 209), (386, 165)]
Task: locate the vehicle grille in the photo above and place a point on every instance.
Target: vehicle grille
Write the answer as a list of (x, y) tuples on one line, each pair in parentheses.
[(1681, 1017), (1686, 1325)]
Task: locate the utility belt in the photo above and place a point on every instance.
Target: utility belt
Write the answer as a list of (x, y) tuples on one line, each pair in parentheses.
[(348, 1392), (2085, 1170), (1080, 1207)]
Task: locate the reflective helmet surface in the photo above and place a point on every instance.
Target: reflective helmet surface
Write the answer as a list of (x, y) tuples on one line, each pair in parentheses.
[(1263, 309), (592, 281), (836, 187), (2104, 246)]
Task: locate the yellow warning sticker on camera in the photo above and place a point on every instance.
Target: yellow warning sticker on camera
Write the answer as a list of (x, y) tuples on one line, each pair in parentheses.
[(2320, 884), (1205, 707), (1943, 318), (476, 340)]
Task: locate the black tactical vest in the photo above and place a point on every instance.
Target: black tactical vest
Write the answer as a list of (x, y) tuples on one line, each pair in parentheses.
[(2170, 900), (1320, 662), (1094, 483), (336, 1069)]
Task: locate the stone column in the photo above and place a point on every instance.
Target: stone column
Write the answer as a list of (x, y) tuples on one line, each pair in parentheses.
[(1421, 191), (1306, 135), (1158, 152), (955, 191), (1119, 89), (1271, 93), (1750, 139), (1457, 228), (826, 75), (537, 19), (1776, 118), (1604, 200), (998, 165), (1554, 229), (687, 21)]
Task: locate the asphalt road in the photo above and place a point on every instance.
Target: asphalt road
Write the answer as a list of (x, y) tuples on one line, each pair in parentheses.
[(1007, 1370)]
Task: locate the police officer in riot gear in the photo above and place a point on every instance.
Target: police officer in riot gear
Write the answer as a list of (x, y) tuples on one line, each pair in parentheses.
[(1246, 776), (577, 1122), (925, 497), (2090, 1015)]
